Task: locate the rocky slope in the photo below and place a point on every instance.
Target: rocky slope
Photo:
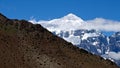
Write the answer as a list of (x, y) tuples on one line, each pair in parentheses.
[(24, 45)]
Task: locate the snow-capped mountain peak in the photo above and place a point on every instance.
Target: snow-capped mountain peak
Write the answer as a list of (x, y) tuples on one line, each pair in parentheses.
[(72, 16), (66, 23)]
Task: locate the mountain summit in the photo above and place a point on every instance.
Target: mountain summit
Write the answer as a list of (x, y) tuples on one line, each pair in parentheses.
[(72, 16), (66, 23)]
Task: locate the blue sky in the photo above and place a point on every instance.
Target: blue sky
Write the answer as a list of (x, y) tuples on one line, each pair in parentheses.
[(50, 9)]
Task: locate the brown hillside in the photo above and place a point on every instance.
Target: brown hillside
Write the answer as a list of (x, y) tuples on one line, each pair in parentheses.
[(24, 45)]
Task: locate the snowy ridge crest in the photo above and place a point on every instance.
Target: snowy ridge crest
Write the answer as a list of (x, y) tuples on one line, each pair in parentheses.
[(73, 22)]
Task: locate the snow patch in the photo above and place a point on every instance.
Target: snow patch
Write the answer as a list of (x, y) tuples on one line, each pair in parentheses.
[(86, 35), (114, 55), (108, 40), (99, 51), (75, 40), (95, 43)]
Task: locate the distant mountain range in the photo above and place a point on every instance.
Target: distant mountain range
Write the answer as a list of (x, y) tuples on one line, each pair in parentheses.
[(73, 29)]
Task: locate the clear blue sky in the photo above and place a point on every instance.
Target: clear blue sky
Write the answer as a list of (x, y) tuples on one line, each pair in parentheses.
[(50, 9)]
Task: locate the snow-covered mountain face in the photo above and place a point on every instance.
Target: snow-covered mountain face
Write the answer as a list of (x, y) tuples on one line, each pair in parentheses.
[(115, 42), (71, 28), (66, 23), (90, 40)]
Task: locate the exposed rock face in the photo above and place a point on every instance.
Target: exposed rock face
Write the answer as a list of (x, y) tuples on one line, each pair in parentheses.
[(24, 45)]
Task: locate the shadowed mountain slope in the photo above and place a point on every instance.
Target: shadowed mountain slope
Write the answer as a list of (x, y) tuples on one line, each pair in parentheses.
[(24, 45)]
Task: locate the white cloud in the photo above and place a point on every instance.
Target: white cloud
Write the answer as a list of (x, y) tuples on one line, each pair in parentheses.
[(103, 24), (114, 55)]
